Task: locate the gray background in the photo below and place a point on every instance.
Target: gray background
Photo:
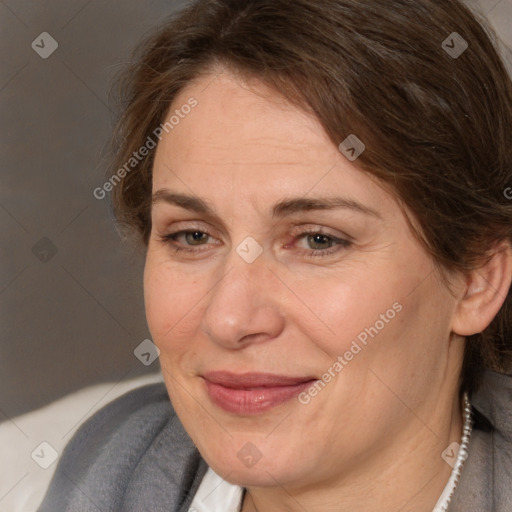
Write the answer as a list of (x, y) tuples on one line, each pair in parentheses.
[(72, 318), (75, 318)]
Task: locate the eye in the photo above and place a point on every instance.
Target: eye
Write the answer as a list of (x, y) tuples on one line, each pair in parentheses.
[(320, 241), (187, 240), (193, 237), (315, 243)]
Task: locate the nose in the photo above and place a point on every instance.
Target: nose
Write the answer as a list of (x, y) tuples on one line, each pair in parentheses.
[(244, 307)]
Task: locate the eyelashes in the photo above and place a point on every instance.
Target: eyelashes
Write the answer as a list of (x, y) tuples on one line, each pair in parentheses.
[(171, 239), (318, 238), (318, 242)]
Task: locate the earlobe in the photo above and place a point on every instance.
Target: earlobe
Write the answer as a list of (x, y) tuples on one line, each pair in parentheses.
[(485, 292)]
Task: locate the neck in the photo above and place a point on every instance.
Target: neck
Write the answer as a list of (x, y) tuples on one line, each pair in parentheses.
[(408, 475)]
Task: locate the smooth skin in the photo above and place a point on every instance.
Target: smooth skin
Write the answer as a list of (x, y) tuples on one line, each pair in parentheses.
[(370, 440)]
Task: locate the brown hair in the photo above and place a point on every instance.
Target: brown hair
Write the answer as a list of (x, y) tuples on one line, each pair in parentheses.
[(437, 127)]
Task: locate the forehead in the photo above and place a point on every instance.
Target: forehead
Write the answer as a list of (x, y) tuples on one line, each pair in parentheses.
[(248, 139), (237, 121)]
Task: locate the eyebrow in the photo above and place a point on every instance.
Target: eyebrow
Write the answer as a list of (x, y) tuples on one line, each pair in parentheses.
[(290, 206), (184, 201), (281, 209)]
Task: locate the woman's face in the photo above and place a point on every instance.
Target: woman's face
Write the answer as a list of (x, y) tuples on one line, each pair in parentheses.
[(303, 330)]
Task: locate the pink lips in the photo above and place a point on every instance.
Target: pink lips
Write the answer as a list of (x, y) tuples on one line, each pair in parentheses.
[(252, 393)]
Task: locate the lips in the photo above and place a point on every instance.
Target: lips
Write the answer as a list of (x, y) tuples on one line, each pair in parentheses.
[(252, 393)]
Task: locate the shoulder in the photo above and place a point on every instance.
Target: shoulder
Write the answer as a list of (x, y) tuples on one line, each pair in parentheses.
[(136, 444), (123, 415), (486, 478)]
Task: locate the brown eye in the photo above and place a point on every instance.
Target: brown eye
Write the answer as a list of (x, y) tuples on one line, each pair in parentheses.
[(317, 244), (188, 240), (195, 237), (319, 241)]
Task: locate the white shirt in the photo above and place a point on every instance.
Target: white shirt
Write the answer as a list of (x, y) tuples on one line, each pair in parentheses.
[(216, 495)]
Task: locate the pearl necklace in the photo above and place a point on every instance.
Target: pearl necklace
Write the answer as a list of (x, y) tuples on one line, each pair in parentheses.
[(449, 490)]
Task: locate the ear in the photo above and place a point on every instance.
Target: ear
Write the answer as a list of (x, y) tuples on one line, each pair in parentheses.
[(484, 293)]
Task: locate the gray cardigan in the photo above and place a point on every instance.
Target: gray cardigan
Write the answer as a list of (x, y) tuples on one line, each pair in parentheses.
[(135, 456)]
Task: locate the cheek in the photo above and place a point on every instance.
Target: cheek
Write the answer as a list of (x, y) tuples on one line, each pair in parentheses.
[(173, 302), (382, 322), (354, 306)]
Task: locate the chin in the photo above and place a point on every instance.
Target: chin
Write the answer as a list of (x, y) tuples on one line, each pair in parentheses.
[(260, 475), (244, 461)]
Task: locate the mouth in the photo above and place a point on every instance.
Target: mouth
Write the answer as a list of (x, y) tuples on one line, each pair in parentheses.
[(252, 393)]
